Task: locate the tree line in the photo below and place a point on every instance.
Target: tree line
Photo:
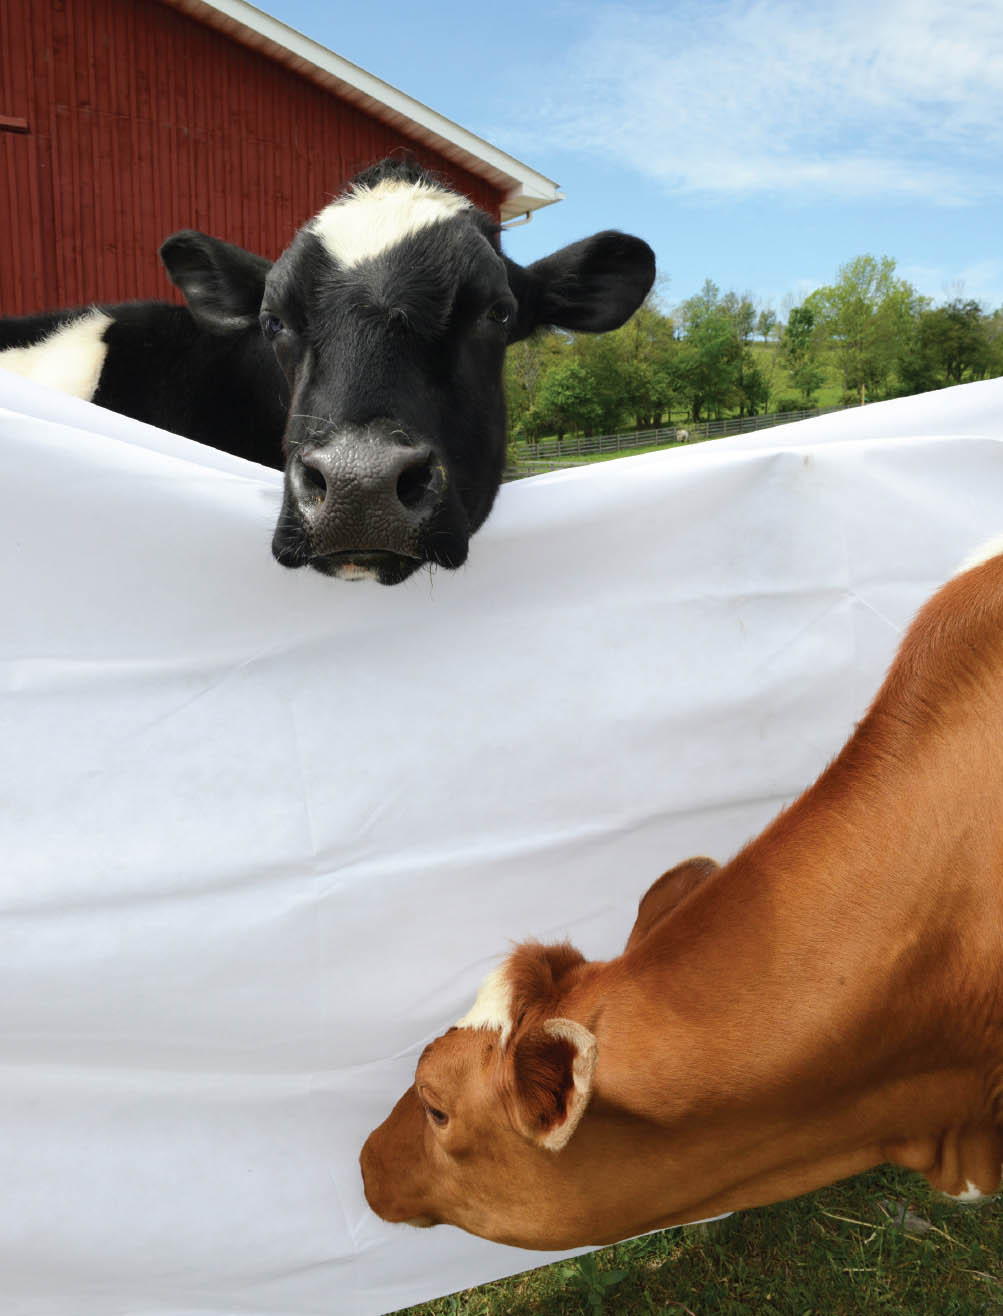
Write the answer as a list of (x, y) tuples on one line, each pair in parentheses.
[(866, 336)]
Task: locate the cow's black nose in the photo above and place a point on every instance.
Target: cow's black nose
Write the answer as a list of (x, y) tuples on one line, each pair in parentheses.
[(360, 492)]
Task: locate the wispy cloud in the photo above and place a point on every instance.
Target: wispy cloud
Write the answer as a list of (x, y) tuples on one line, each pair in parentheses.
[(981, 280), (896, 99)]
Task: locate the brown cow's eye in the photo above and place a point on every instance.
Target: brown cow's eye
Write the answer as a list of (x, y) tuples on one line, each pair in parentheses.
[(438, 1117)]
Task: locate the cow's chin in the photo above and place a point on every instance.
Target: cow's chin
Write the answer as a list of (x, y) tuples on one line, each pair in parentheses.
[(385, 568), (441, 547)]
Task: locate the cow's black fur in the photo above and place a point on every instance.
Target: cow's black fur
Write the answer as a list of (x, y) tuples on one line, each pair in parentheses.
[(394, 440), (224, 390)]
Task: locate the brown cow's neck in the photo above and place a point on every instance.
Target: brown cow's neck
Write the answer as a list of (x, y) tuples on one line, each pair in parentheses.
[(833, 1055)]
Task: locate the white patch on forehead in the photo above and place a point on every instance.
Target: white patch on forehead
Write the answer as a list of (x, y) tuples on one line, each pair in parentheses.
[(371, 220), (493, 1007), (70, 359), (992, 548)]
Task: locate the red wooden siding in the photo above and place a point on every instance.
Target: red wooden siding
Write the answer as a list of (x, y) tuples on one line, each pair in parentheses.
[(21, 265), (141, 121)]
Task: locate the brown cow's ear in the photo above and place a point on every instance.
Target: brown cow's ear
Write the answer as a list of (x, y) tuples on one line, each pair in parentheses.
[(664, 896), (553, 1067)]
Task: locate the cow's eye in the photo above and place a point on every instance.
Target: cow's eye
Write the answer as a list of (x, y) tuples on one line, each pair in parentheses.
[(500, 313), (271, 326), (438, 1117)]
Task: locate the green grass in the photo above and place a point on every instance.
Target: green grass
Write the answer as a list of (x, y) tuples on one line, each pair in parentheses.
[(636, 452), (591, 458), (524, 467), (843, 1251)]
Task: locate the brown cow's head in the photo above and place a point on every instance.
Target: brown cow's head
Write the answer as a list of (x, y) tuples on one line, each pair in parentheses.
[(504, 1132), (481, 1135)]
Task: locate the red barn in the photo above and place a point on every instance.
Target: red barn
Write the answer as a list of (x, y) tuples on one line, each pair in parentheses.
[(124, 120)]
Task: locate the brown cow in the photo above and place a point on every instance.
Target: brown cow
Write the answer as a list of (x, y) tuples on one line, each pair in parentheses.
[(830, 999)]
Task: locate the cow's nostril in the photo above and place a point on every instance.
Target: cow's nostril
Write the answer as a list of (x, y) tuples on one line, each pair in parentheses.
[(414, 483), (314, 483)]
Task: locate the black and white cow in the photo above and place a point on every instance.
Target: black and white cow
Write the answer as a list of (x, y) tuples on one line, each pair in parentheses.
[(161, 364), (367, 360)]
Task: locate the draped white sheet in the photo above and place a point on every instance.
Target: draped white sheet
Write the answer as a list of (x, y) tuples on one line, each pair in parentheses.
[(262, 832)]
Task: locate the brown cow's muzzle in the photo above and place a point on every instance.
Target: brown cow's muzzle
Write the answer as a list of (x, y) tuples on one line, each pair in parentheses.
[(391, 1161)]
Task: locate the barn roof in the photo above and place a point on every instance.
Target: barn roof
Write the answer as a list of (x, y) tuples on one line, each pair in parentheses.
[(522, 188)]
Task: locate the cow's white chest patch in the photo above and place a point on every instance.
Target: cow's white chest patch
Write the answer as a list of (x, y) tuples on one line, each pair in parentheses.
[(371, 220), (70, 359), (493, 1007)]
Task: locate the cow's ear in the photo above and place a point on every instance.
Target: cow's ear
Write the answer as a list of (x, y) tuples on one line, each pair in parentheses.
[(553, 1068), (589, 287), (222, 284), (664, 896)]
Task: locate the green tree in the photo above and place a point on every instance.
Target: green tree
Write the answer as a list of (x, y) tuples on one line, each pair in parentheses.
[(710, 354), (750, 386), (742, 314), (754, 387), (800, 348), (526, 363), (645, 349), (567, 399), (949, 344), (880, 333), (604, 359), (769, 329), (994, 344), (767, 324), (631, 377), (866, 316)]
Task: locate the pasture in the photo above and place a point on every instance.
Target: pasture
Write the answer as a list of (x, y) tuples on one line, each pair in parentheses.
[(882, 1242)]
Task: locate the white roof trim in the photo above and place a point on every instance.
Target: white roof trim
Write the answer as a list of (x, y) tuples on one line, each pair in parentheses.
[(523, 188)]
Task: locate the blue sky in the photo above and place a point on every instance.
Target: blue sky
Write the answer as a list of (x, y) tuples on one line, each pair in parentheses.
[(759, 143)]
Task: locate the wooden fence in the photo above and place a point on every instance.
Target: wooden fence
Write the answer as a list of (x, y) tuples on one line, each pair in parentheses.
[(550, 454)]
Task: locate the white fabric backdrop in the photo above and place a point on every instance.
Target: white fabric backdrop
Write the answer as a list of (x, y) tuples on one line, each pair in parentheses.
[(262, 832)]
